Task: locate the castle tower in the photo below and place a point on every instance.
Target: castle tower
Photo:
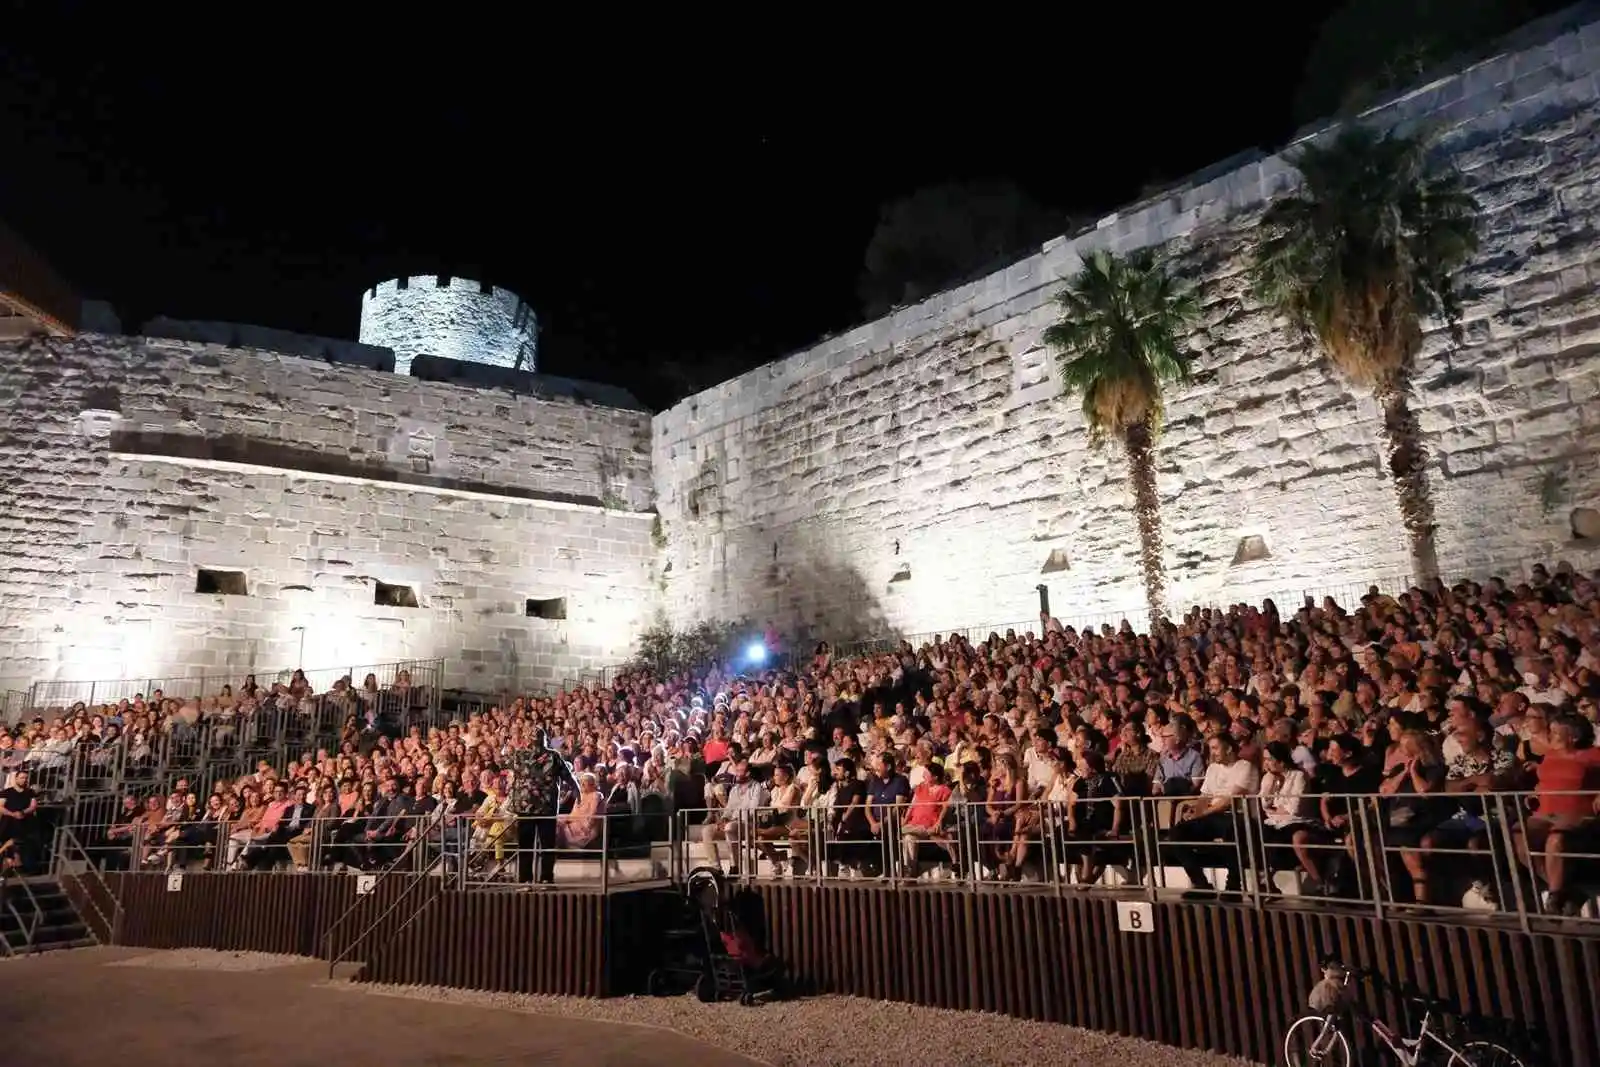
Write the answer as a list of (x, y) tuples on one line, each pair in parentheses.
[(456, 318)]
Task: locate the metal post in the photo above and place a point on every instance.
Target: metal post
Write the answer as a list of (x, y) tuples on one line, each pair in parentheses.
[(1510, 843), (1244, 851), (1377, 859), (605, 853)]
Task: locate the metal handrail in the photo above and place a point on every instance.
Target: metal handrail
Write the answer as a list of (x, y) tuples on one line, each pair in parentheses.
[(417, 878), (65, 838), (1243, 847), (29, 926), (124, 687)]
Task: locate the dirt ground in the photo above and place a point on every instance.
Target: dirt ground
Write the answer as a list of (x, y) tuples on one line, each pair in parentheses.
[(92, 1007)]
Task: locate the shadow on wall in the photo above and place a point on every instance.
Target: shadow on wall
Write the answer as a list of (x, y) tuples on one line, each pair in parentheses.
[(291, 459), (822, 600)]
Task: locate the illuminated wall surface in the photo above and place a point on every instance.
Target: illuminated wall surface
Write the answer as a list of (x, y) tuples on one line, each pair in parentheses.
[(921, 471), (130, 464), (459, 319), (917, 473)]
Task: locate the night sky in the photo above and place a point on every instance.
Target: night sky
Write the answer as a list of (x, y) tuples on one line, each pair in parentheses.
[(703, 197)]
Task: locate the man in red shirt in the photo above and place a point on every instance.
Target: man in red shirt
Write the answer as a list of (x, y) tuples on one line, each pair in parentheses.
[(1568, 791)]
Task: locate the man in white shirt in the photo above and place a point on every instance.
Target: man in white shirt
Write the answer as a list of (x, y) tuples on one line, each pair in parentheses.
[(746, 798), (1209, 817)]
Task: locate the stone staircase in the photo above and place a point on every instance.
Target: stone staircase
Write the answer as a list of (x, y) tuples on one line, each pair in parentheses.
[(37, 916)]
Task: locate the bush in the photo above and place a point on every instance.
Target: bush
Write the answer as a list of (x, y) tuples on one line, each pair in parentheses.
[(665, 650)]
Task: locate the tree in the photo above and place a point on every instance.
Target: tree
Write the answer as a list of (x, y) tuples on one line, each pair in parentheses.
[(1118, 341), (1356, 259), (937, 236), (1369, 49)]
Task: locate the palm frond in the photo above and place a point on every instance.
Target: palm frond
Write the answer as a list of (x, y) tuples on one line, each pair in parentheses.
[(1367, 248), (1119, 337)]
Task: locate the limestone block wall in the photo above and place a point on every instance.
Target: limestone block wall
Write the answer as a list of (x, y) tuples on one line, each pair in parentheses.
[(127, 465), (922, 472)]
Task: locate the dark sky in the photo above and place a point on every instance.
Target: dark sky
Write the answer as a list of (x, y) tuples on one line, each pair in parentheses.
[(691, 194)]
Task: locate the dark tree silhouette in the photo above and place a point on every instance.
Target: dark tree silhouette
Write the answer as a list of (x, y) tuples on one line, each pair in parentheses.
[(1371, 48), (937, 236)]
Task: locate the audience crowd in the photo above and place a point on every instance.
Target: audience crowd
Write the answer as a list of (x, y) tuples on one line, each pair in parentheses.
[(1245, 745)]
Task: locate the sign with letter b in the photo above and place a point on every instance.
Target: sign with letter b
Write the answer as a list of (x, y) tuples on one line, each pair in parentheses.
[(1136, 917)]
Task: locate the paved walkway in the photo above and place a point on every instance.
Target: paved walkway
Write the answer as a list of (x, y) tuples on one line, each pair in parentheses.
[(81, 1009)]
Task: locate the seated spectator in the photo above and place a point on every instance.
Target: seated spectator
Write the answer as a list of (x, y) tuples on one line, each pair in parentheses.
[(580, 828), (1568, 797), (1210, 818)]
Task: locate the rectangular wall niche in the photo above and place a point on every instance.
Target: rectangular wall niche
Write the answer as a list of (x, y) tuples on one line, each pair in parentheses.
[(1252, 548), (221, 583), (550, 608), (394, 596)]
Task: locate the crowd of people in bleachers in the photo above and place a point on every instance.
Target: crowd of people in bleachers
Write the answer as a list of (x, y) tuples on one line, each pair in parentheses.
[(1348, 750)]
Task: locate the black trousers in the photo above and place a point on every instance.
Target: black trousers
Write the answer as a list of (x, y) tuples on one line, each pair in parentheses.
[(1203, 832), (543, 831)]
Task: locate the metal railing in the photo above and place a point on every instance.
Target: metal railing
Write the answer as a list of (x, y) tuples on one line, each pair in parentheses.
[(409, 835), (1486, 856), (11, 884), (469, 849), (73, 861), (1481, 857), (424, 674), (225, 743)]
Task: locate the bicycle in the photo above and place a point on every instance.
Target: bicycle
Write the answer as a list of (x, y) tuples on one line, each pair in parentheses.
[(1321, 1038)]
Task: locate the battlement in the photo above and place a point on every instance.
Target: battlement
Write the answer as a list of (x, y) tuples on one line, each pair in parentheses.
[(441, 281), (455, 318)]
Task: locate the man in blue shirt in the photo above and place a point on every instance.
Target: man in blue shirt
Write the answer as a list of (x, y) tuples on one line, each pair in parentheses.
[(887, 789), (1183, 764)]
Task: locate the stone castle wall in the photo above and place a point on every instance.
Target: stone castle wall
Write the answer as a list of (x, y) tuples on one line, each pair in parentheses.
[(922, 471), (128, 464)]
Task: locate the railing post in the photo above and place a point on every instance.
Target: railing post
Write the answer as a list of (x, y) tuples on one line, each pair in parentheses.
[(605, 853), (1245, 849), (1510, 843), (1377, 860)]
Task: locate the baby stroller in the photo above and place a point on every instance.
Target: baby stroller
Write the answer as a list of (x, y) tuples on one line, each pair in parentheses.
[(718, 946)]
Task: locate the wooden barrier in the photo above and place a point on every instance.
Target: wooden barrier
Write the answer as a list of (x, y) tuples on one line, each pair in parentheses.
[(1228, 978)]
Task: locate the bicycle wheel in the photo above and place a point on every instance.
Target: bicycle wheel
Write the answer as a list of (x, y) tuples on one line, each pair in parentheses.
[(1486, 1054), (1315, 1041)]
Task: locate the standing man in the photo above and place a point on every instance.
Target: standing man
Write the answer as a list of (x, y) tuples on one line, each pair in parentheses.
[(537, 773)]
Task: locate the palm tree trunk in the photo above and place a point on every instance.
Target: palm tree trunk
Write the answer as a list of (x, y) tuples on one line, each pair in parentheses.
[(1140, 444), (1408, 469)]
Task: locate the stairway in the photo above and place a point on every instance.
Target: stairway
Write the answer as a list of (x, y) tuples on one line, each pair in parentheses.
[(36, 916)]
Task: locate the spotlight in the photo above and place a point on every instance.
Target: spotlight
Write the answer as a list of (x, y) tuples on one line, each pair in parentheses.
[(756, 653)]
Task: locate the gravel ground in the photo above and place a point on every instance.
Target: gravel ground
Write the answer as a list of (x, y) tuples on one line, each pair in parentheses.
[(847, 1031), (205, 959)]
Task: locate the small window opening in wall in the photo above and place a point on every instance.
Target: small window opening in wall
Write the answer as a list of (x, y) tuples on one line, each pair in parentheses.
[(221, 583), (901, 575), (1252, 547), (1057, 562), (394, 596), (549, 608)]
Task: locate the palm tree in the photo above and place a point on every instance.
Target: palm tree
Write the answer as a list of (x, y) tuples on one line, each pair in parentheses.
[(1119, 339), (1356, 259)]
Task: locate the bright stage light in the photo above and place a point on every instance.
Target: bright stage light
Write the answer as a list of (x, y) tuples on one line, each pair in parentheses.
[(756, 653)]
